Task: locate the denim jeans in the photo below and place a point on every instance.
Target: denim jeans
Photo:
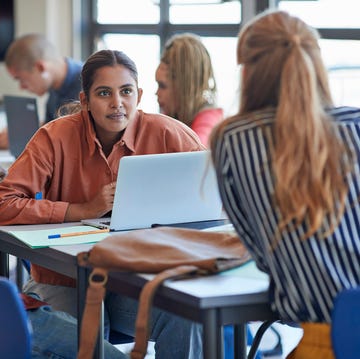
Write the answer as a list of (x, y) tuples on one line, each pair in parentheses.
[(55, 336), (174, 337)]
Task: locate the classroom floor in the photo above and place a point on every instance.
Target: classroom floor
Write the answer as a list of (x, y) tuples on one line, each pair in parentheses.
[(290, 336)]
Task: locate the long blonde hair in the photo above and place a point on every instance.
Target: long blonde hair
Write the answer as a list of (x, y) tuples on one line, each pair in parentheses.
[(283, 69), (191, 75)]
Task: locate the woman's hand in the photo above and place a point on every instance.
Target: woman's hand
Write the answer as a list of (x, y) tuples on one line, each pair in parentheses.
[(101, 204)]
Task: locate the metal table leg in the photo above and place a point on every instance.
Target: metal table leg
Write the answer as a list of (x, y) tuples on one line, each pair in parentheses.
[(240, 341), (19, 273), (212, 336), (4, 265)]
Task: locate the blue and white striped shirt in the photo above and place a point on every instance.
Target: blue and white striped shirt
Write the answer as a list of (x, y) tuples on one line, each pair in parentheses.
[(307, 274)]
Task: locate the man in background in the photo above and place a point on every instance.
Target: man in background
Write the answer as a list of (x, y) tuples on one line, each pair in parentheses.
[(36, 64)]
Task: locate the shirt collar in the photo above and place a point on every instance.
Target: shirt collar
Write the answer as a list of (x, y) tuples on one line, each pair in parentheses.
[(90, 133), (128, 138), (131, 130)]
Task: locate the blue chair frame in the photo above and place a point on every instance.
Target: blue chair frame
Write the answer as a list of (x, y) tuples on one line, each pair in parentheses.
[(15, 328), (345, 326), (114, 337)]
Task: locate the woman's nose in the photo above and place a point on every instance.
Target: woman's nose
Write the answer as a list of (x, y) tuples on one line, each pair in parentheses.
[(116, 101)]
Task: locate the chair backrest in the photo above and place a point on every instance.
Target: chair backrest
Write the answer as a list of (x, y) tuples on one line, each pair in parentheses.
[(345, 327), (15, 329)]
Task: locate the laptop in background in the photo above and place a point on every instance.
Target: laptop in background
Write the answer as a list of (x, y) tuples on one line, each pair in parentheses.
[(22, 121), (163, 189)]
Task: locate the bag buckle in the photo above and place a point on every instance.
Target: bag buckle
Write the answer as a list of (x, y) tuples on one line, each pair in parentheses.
[(98, 278)]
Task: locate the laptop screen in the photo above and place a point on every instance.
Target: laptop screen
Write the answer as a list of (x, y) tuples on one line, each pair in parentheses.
[(22, 121), (165, 189)]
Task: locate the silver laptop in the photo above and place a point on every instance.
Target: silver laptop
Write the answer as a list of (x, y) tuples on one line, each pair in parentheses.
[(163, 189), (22, 121)]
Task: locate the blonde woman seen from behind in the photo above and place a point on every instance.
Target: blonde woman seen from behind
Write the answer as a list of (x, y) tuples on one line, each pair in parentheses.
[(288, 172)]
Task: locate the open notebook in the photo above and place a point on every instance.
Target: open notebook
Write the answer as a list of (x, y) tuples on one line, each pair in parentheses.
[(22, 121), (163, 189)]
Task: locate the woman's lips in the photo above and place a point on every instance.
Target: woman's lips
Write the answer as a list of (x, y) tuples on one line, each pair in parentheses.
[(116, 116)]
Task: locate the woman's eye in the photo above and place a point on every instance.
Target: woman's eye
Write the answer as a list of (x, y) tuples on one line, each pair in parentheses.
[(127, 91), (104, 93), (162, 86)]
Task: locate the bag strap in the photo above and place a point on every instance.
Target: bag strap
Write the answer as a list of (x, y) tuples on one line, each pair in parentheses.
[(92, 313), (91, 318), (145, 302)]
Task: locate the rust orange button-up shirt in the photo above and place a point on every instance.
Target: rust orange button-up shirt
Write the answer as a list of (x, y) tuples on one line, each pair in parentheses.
[(64, 160)]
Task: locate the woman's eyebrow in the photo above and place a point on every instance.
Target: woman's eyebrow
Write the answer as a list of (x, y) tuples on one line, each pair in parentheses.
[(127, 85), (103, 87)]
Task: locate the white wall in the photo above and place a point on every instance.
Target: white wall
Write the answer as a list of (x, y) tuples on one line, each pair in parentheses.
[(54, 19)]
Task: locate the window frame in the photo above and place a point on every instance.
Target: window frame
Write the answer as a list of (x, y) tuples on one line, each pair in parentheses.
[(91, 30), (88, 30)]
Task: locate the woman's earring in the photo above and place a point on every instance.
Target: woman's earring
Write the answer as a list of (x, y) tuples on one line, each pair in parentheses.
[(45, 75)]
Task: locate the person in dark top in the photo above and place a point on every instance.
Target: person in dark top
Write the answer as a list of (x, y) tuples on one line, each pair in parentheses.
[(36, 64)]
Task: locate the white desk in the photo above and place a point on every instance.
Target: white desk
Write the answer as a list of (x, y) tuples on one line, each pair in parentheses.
[(233, 297)]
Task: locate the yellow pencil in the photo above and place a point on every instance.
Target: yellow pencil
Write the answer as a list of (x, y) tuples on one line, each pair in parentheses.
[(52, 236)]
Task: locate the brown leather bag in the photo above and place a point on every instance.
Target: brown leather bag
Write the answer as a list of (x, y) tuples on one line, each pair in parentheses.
[(170, 252)]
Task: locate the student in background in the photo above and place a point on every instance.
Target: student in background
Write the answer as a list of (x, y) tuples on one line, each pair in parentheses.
[(36, 64), (186, 84), (289, 176), (74, 162)]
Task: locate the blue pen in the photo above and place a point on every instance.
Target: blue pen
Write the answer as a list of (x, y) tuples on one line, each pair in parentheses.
[(38, 195), (95, 231)]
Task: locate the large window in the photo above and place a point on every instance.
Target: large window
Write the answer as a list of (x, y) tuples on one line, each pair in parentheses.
[(204, 12), (141, 27), (325, 13), (129, 12), (339, 25)]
